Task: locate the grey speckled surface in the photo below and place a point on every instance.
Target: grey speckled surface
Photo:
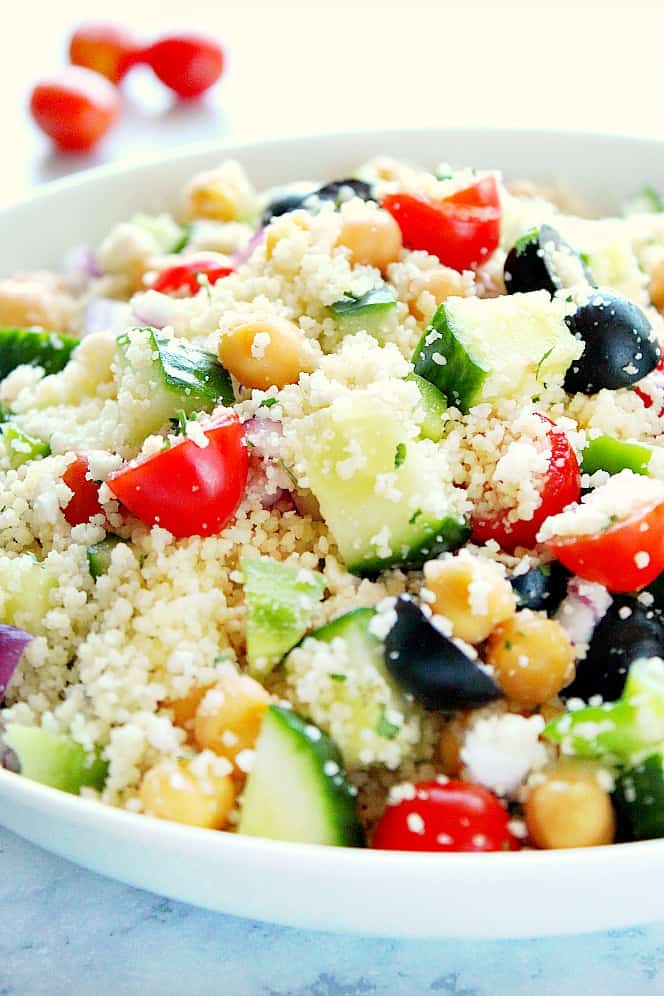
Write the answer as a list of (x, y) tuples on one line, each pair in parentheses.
[(66, 932)]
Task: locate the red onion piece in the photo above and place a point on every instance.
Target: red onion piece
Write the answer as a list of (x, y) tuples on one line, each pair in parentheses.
[(81, 263), (154, 309), (582, 608), (13, 642), (103, 314), (245, 252)]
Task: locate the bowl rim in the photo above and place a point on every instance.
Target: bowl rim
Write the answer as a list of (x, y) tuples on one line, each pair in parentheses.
[(89, 812)]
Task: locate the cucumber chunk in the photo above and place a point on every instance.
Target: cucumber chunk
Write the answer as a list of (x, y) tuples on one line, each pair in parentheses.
[(99, 555), (280, 603), (297, 789), (180, 377), (357, 702), (25, 591), (54, 760), (484, 349), (639, 799), (49, 350), (614, 455), (21, 448), (380, 492), (434, 406), (366, 312)]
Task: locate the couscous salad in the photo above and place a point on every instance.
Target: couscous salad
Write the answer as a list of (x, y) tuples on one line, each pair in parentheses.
[(334, 513)]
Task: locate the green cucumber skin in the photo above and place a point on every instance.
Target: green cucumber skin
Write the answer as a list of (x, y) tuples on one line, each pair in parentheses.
[(17, 457), (434, 405), (446, 535), (49, 350), (458, 378), (99, 555), (374, 302), (57, 761), (613, 455), (333, 790), (194, 372), (641, 819), (350, 623)]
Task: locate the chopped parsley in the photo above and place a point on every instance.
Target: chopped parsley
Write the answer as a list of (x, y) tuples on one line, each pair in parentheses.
[(337, 676), (385, 728), (415, 516), (399, 455), (269, 402), (522, 243), (179, 423), (543, 359)]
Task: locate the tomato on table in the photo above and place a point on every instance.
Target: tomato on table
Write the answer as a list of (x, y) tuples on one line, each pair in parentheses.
[(462, 230), (561, 487), (75, 107), (191, 276), (446, 816), (189, 489), (626, 556), (189, 64), (85, 501), (109, 49)]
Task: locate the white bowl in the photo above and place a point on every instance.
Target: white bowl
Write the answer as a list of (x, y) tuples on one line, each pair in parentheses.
[(374, 892)]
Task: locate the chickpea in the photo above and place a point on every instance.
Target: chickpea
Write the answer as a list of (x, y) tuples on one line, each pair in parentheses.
[(229, 718), (184, 709), (439, 283), (450, 744), (266, 353), (656, 288), (35, 299), (532, 656), (221, 194), (179, 791), (570, 809), (372, 235), (472, 593)]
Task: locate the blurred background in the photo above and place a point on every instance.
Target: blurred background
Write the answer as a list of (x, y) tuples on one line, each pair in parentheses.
[(306, 66)]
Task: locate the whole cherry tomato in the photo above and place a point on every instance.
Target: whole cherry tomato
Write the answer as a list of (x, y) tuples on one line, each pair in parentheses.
[(189, 489), (85, 501), (561, 487), (625, 557), (462, 230), (189, 63), (452, 816), (75, 108), (107, 48), (188, 276)]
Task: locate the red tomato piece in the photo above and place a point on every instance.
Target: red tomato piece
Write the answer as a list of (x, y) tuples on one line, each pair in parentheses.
[(612, 557), (109, 49), (190, 490), (85, 501), (75, 108), (189, 64), (185, 276), (561, 487), (647, 398), (462, 230), (450, 816)]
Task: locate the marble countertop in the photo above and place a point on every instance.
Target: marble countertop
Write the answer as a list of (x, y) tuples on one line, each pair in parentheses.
[(67, 932)]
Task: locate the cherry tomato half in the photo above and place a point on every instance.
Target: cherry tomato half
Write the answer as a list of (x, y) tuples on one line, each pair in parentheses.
[(187, 276), (75, 108), (85, 501), (625, 557), (561, 487), (189, 64), (107, 48), (454, 816), (190, 490), (462, 230)]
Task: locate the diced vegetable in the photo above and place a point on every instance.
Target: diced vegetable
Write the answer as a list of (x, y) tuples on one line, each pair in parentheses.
[(281, 600), (616, 730), (639, 798), (21, 447), (614, 455), (13, 642), (366, 312), (480, 350), (191, 276), (433, 405), (84, 503), (54, 760), (297, 789), (189, 489), (25, 586), (49, 350), (99, 555), (378, 490)]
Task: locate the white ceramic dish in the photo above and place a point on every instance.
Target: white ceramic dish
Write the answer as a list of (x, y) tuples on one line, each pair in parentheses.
[(390, 893)]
